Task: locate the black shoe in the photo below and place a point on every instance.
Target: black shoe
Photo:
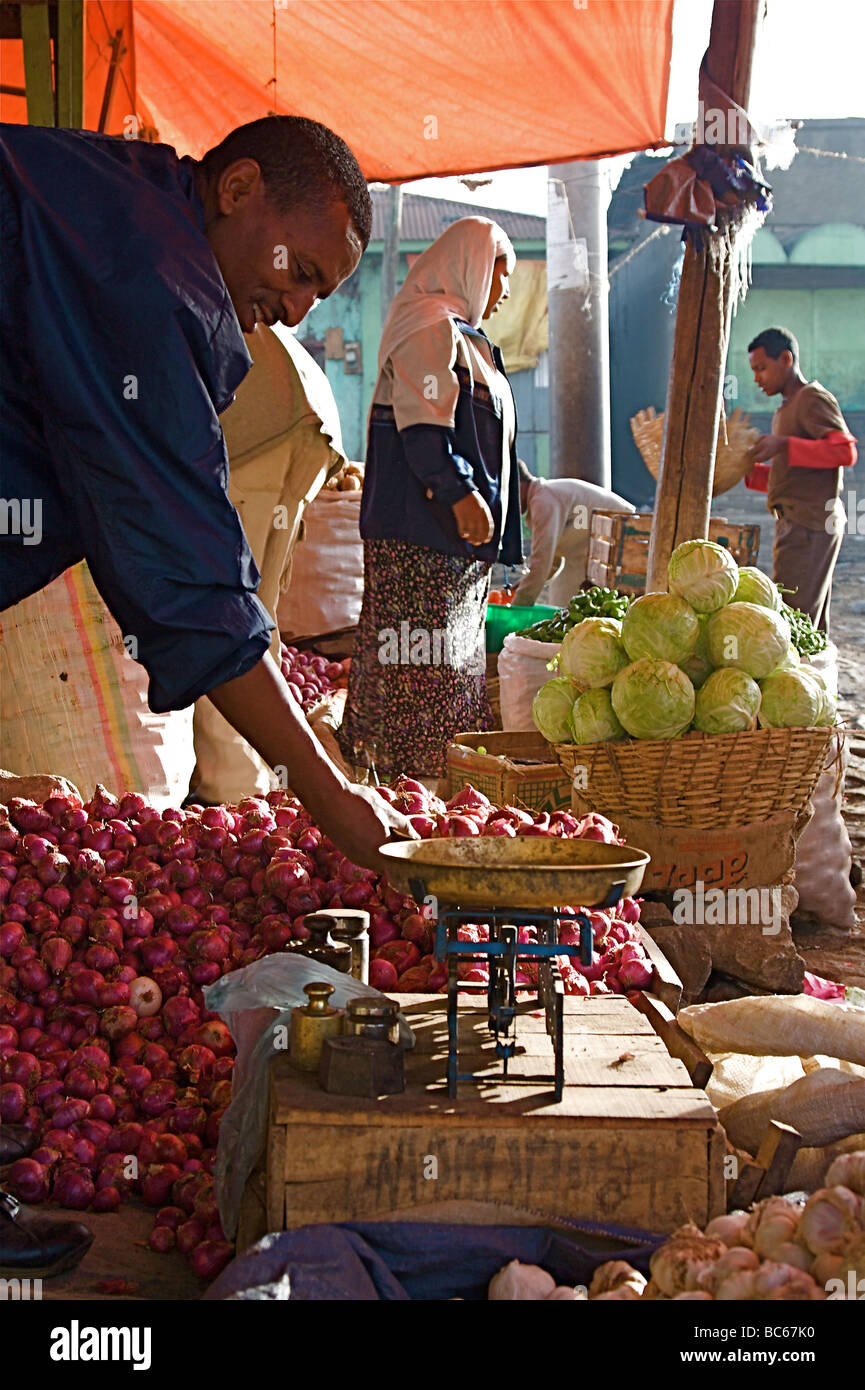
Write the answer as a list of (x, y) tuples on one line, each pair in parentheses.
[(38, 1246), (16, 1141)]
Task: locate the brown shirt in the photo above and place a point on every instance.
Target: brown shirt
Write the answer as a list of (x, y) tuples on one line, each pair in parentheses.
[(804, 493)]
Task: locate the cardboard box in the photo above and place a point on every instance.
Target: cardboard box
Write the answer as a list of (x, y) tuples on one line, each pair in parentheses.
[(515, 770), (738, 856)]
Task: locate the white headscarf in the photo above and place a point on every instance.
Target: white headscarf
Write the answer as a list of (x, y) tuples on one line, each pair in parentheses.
[(451, 279)]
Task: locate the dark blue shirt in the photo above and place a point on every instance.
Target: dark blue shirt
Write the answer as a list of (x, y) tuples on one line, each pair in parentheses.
[(120, 347)]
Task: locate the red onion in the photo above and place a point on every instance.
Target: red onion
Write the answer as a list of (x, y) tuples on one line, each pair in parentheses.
[(73, 1187), (382, 975), (22, 1067), (13, 1102), (158, 1182), (157, 1097), (119, 1021), (106, 1198), (209, 1258), (179, 1013), (188, 1235), (28, 1180)]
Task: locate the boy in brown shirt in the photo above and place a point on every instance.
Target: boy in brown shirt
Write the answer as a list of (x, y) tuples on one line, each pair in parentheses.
[(808, 447)]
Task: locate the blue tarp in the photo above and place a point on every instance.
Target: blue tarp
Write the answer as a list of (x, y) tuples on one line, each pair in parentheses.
[(401, 1261)]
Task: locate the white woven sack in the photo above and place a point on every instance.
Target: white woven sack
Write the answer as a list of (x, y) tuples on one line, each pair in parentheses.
[(522, 670), (824, 854), (325, 589), (75, 704)]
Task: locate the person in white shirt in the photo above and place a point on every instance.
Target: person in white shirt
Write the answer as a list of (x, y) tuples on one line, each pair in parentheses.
[(283, 438), (559, 513)]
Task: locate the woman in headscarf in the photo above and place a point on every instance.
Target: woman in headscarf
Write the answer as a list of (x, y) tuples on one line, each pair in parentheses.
[(440, 506)]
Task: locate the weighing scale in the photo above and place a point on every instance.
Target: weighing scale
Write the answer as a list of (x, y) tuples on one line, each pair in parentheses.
[(460, 878)]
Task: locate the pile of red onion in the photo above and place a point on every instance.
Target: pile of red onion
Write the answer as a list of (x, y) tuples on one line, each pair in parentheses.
[(114, 917), (311, 677)]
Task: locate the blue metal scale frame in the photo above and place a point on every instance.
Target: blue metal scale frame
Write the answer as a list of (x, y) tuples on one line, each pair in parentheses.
[(502, 953)]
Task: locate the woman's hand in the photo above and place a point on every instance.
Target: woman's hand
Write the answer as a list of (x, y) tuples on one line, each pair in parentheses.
[(474, 519)]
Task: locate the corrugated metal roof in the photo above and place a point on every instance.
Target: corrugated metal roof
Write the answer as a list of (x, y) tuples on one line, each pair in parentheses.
[(424, 219)]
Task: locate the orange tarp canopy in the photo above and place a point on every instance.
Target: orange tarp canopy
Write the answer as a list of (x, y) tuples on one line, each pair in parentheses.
[(417, 87)]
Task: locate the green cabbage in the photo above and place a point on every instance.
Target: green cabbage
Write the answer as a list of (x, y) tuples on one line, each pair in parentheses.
[(791, 700), (592, 652), (653, 699), (662, 626), (594, 720), (727, 703), (703, 574), (697, 666), (552, 706), (828, 715), (756, 587), (791, 660), (749, 636)]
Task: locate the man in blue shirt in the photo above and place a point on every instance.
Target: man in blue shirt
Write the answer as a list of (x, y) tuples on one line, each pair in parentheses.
[(129, 276)]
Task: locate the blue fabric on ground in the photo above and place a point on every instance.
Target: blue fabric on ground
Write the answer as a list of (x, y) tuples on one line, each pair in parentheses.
[(399, 1261)]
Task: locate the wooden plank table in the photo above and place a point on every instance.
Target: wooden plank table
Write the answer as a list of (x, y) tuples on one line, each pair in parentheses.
[(632, 1142)]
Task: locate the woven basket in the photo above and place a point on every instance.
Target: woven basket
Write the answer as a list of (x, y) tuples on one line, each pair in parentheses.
[(701, 781), (732, 459)]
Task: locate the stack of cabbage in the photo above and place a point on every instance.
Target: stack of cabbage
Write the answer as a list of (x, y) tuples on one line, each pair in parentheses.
[(713, 654)]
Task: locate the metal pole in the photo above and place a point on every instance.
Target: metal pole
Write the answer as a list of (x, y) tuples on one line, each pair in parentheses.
[(390, 250), (578, 293)]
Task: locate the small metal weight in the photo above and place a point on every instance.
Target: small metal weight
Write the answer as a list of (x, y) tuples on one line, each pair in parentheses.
[(311, 1026), (370, 1016), (351, 924), (358, 1066), (321, 946)]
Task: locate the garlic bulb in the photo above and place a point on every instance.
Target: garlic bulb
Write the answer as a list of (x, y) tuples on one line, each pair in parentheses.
[(777, 1231), (625, 1292), (562, 1294), (830, 1215), (825, 1267), (679, 1263), (728, 1228), (848, 1170), (693, 1294), (775, 1282), (737, 1259), (737, 1286), (610, 1275), (789, 1253), (525, 1283)]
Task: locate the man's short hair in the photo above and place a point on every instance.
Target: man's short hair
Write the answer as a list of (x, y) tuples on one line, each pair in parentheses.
[(526, 474), (774, 341), (303, 164)]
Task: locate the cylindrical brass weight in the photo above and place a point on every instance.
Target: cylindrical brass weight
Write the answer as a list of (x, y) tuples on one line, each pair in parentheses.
[(311, 1025), (351, 924)]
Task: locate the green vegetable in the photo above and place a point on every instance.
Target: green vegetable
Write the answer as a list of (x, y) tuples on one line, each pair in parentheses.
[(594, 720), (653, 699), (588, 603), (727, 703), (748, 636), (806, 638), (592, 652), (704, 574), (552, 706), (662, 626), (791, 700), (756, 587), (698, 667)]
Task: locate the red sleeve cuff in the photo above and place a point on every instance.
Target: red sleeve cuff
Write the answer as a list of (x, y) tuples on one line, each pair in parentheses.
[(834, 450), (758, 479)]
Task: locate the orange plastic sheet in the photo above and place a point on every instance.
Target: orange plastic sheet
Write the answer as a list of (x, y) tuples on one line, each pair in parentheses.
[(417, 87)]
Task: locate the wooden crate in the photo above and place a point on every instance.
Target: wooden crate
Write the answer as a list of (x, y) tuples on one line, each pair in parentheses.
[(632, 1142), (518, 768), (619, 547)]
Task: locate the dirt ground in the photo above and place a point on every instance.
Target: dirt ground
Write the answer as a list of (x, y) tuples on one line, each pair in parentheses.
[(833, 954)]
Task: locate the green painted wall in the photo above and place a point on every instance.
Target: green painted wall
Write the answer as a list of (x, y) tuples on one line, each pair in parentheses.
[(830, 327)]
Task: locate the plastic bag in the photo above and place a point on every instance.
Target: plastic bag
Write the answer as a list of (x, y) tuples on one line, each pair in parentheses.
[(824, 854), (255, 1003), (325, 589), (523, 669)]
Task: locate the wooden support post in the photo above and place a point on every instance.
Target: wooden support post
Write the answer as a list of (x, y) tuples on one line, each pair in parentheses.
[(70, 64), (390, 249), (695, 389), (36, 38)]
